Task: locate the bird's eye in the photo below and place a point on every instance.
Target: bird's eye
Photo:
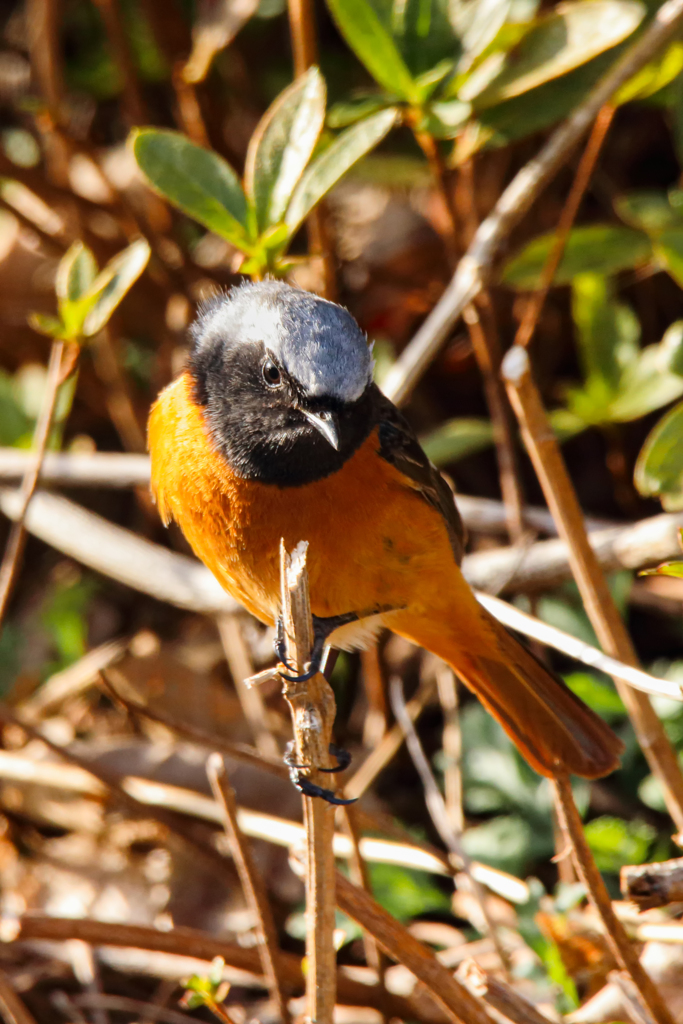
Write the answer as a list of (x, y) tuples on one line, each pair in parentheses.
[(271, 374)]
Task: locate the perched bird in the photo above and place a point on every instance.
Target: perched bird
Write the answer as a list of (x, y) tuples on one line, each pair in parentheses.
[(276, 430)]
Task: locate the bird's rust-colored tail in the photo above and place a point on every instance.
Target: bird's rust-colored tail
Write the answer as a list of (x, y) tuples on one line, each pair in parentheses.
[(554, 729)]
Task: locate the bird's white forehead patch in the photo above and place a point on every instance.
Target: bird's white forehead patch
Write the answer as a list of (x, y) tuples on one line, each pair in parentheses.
[(315, 341)]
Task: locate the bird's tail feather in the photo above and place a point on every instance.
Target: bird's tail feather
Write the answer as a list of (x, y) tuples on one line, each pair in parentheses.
[(552, 727)]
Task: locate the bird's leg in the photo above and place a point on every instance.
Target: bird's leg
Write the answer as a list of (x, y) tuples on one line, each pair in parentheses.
[(304, 784), (322, 630)]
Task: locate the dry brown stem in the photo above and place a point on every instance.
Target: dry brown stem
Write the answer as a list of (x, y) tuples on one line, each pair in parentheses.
[(567, 218), (653, 885), (439, 815), (133, 103), (475, 267), (544, 451), (390, 744), (189, 942), (252, 883), (447, 686), (17, 537), (250, 697), (11, 1007), (398, 943), (238, 751), (624, 952), (302, 31), (313, 709), (498, 995)]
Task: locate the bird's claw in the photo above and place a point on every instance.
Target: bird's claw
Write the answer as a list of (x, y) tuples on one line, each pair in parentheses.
[(322, 629), (308, 788)]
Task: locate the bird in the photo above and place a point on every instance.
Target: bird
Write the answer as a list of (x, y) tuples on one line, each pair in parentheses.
[(276, 429)]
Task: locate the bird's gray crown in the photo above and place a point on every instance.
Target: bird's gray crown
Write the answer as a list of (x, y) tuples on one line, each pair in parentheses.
[(318, 343)]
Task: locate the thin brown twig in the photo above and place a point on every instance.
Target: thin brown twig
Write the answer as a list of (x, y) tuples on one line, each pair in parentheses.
[(397, 942), (250, 697), (302, 32), (581, 181), (475, 267), (390, 744), (190, 942), (17, 537), (313, 708), (252, 883), (617, 939), (133, 103), (498, 995), (544, 451), (447, 686), (479, 318), (439, 814), (12, 1008), (358, 872), (209, 740)]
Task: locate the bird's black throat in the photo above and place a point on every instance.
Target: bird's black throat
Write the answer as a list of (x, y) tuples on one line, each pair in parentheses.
[(261, 432)]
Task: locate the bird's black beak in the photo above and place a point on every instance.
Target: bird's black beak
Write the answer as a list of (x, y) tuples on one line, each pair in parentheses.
[(327, 423)]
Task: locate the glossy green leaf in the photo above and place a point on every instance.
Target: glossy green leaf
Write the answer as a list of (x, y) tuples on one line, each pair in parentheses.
[(659, 469), (671, 349), (559, 42), (76, 272), (444, 119), (646, 385), (653, 77), (456, 439), (282, 145), (423, 34), (544, 106), (326, 170), (615, 842), (669, 251), (428, 82), (649, 210), (43, 323), (598, 248), (665, 569), (374, 46), (196, 180), (477, 23), (110, 286), (354, 109), (607, 331), (599, 696)]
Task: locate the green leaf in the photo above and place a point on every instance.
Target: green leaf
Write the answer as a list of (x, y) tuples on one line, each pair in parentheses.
[(653, 77), (444, 119), (112, 283), (373, 45), (598, 695), (405, 893), (43, 323), (607, 331), (427, 83), (354, 109), (196, 180), (544, 106), (598, 248), (671, 349), (566, 423), (646, 385), (422, 32), (669, 251), (282, 145), (456, 439), (648, 210), (558, 42), (615, 842), (665, 569), (75, 274), (326, 170), (659, 469), (477, 23)]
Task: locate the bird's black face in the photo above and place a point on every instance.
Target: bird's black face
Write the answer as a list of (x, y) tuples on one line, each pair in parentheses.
[(264, 424)]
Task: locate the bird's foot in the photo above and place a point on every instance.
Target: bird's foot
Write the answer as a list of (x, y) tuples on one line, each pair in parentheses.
[(304, 784), (322, 630)]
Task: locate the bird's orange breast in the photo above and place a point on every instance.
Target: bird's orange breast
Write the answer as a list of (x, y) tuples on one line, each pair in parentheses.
[(373, 542)]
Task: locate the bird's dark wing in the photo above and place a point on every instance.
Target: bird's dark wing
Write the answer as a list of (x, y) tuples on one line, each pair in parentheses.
[(400, 447)]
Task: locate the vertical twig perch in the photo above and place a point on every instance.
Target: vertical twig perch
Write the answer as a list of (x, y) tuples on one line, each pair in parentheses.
[(313, 709)]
